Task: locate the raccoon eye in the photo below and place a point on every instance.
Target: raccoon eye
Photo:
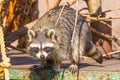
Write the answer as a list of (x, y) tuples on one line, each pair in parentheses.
[(48, 49), (35, 49)]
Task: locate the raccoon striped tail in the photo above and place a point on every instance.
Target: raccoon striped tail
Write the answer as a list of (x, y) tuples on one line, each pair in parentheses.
[(94, 53)]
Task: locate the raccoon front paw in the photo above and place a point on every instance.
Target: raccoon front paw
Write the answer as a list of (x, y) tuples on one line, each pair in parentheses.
[(56, 69), (55, 73), (73, 68), (37, 68)]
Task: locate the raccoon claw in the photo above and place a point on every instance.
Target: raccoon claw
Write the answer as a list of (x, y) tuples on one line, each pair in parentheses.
[(56, 69), (55, 73), (73, 68)]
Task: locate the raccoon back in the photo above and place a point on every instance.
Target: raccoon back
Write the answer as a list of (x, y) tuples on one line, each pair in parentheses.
[(65, 26)]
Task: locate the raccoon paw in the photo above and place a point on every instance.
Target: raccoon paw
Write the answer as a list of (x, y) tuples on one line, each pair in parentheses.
[(55, 73), (73, 68), (37, 68), (56, 69)]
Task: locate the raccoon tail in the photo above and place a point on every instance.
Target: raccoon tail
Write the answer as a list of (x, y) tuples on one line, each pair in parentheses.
[(94, 53)]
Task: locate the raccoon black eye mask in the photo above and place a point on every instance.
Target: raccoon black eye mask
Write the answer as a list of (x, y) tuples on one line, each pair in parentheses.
[(34, 49), (48, 49)]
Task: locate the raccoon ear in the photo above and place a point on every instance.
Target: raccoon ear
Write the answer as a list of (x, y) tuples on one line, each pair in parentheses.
[(51, 33), (31, 34)]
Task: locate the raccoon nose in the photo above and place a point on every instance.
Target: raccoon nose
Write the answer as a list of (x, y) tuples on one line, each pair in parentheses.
[(42, 57)]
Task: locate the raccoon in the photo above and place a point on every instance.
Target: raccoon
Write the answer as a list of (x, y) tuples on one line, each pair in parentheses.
[(48, 41)]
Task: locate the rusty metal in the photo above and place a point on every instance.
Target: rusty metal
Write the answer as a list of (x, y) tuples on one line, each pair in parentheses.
[(106, 47)]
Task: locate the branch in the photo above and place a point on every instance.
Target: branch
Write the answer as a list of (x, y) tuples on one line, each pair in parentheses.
[(19, 49), (101, 20), (47, 4), (71, 2), (110, 53), (19, 33), (55, 3), (108, 37), (101, 34)]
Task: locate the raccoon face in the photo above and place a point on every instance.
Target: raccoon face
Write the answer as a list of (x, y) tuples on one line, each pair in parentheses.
[(41, 44)]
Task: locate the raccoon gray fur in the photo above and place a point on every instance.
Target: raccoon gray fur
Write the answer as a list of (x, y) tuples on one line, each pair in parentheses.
[(48, 41)]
